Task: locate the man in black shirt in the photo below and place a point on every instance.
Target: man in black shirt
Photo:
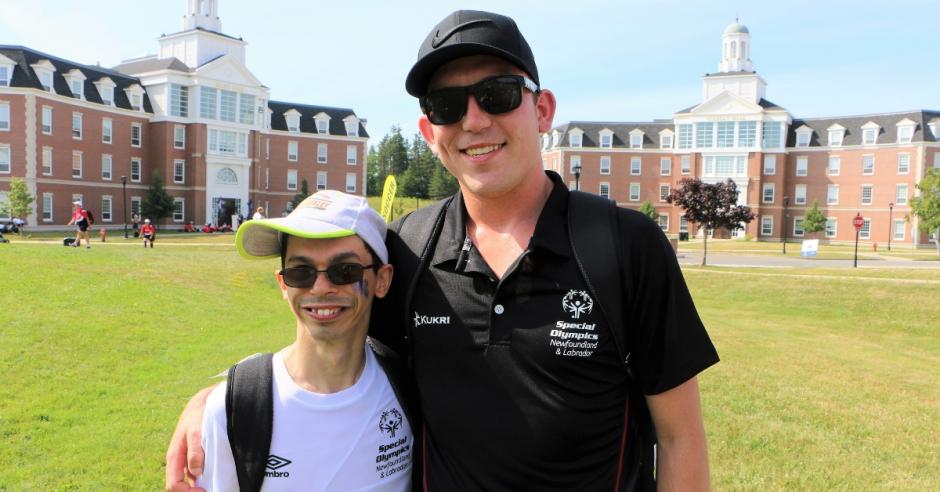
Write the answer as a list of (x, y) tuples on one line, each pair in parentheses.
[(520, 383)]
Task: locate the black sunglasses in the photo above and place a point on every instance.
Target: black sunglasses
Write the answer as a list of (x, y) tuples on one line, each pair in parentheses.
[(495, 95), (303, 277)]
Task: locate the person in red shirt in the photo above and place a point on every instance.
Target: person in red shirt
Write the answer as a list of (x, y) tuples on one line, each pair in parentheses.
[(149, 232), (80, 219)]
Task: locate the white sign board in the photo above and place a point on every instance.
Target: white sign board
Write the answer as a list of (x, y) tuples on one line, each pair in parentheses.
[(810, 247)]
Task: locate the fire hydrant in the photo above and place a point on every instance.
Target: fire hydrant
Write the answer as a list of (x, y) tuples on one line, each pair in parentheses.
[(102, 233)]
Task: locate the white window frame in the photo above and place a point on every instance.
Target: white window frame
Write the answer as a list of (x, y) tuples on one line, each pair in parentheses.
[(636, 166), (664, 190), (47, 207), (665, 166), (663, 224), (770, 165), (906, 158), (768, 193), (107, 131), (352, 128), (901, 198), (604, 164), (871, 194), (802, 166), (665, 141), (107, 211), (636, 140), (575, 139), (685, 165), (178, 100), (107, 171), (351, 181), (905, 134), (704, 135), (179, 137), (572, 162), (936, 160), (5, 121), (865, 231), (798, 229), (291, 180), (747, 134), (803, 138), (228, 106), (834, 167), (179, 215), (135, 205), (832, 198), (47, 124), (292, 151), (895, 229), (767, 225), (870, 136), (323, 126), (635, 187), (47, 161), (799, 198), (606, 140), (724, 134), (321, 180), (6, 154), (322, 153), (78, 157), (179, 177), (871, 170), (836, 137), (834, 231), (352, 155), (139, 129), (136, 162), (603, 189), (78, 124)]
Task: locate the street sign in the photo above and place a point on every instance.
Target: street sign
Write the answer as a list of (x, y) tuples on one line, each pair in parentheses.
[(858, 222)]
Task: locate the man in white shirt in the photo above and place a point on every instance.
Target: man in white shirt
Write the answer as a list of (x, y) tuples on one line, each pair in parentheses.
[(340, 414)]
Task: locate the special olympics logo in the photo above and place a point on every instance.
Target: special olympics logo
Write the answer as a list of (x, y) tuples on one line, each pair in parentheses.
[(577, 302), (390, 422)]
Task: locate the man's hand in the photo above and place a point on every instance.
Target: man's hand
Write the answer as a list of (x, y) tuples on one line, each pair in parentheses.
[(682, 463), (185, 457)]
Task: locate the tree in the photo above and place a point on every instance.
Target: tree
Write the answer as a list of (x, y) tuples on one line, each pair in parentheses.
[(158, 204), (926, 207), (443, 183), (19, 201), (299, 197), (391, 157), (649, 210), (416, 180), (711, 206), (815, 220)]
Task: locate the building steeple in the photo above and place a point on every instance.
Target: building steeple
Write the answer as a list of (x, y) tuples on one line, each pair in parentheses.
[(735, 46), (202, 14)]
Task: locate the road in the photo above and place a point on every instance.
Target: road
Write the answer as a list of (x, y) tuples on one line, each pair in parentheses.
[(746, 260)]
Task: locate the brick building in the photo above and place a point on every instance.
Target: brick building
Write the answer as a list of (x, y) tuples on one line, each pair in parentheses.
[(867, 164), (193, 113)]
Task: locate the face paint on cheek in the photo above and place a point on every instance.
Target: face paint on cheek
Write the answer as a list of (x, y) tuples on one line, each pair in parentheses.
[(363, 287)]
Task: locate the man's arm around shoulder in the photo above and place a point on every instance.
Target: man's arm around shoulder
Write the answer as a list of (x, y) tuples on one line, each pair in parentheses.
[(682, 458)]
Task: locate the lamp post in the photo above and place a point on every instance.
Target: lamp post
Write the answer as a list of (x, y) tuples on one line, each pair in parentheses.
[(890, 223), (786, 203), (124, 206), (577, 176)]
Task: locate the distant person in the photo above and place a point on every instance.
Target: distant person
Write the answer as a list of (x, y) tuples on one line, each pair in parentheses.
[(83, 222), (135, 223), (149, 232), (259, 214)]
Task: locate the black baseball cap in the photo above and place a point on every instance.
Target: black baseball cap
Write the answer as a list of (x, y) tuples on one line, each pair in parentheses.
[(467, 33)]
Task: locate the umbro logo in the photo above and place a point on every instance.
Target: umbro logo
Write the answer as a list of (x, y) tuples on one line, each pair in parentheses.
[(275, 463)]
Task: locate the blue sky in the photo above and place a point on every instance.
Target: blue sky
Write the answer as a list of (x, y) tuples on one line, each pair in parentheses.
[(605, 60)]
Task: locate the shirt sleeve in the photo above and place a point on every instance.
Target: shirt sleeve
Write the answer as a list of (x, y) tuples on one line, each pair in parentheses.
[(669, 342), (219, 471)]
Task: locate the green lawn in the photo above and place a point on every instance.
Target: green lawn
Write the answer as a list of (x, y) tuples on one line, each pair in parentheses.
[(828, 379)]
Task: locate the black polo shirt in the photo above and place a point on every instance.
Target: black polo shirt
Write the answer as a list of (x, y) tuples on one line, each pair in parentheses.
[(520, 383)]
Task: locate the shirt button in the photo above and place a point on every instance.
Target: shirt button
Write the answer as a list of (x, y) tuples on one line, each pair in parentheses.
[(499, 309)]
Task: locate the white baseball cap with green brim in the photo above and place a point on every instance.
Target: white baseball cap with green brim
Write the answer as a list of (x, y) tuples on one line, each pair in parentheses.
[(325, 214)]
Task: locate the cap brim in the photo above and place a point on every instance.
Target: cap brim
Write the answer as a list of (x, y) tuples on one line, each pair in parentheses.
[(259, 239), (416, 83)]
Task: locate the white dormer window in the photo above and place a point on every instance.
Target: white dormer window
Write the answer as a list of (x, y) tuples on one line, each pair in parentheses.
[(606, 138), (574, 138), (135, 94), (352, 126), (105, 88), (636, 139), (6, 71), (292, 118), (665, 139), (76, 80), (44, 70), (803, 135), (905, 131), (870, 133), (323, 123), (935, 129), (545, 141)]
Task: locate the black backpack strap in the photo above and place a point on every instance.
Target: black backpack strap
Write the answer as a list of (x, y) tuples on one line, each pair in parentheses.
[(249, 410), (594, 233)]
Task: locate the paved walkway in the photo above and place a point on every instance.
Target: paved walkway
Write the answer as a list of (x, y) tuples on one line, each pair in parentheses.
[(745, 260)]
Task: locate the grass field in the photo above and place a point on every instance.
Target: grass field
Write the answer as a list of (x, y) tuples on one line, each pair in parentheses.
[(828, 379)]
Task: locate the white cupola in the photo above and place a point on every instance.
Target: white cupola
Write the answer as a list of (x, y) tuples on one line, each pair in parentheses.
[(202, 14), (735, 49)]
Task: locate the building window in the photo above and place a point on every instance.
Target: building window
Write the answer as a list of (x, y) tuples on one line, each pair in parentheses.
[(605, 164), (4, 116), (574, 139), (321, 153), (352, 128), (664, 222), (179, 100), (107, 95), (768, 193), (106, 208), (179, 171), (574, 163), (798, 227), (766, 225), (291, 179), (665, 166), (246, 109), (904, 163), (607, 140), (802, 138), (832, 194), (4, 159), (293, 121), (47, 161), (685, 164), (684, 224), (905, 133), (47, 120), (45, 78), (799, 194), (227, 142), (704, 134), (179, 209), (636, 140), (865, 231), (135, 134), (76, 164), (350, 182), (5, 72), (685, 136), (635, 166), (292, 151), (831, 226), (227, 104), (136, 101), (869, 136), (135, 170), (771, 134), (868, 165), (835, 138), (323, 126), (664, 190), (747, 133), (179, 137), (936, 160), (665, 141), (321, 180), (900, 194), (899, 229), (77, 126), (47, 207), (352, 155), (135, 205), (106, 127), (634, 192), (106, 167), (604, 190), (770, 165), (802, 166), (725, 134), (208, 105), (866, 194), (78, 87)]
